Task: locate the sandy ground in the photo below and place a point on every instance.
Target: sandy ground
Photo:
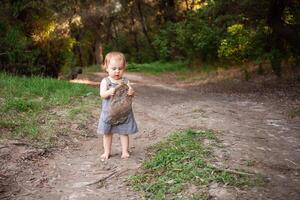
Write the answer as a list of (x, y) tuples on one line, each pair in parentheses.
[(251, 120)]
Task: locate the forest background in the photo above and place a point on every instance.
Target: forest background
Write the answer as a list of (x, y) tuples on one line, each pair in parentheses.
[(50, 37)]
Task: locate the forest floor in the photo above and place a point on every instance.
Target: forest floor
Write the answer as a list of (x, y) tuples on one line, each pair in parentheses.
[(253, 120)]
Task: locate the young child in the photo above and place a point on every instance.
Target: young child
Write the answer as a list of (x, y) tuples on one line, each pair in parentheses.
[(114, 64)]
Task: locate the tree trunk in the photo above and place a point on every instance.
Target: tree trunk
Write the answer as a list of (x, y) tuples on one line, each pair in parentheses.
[(78, 50), (168, 8), (135, 36), (99, 53), (144, 27), (108, 29), (116, 35), (289, 33)]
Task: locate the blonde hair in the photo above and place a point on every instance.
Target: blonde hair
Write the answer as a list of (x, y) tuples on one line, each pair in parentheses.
[(115, 55)]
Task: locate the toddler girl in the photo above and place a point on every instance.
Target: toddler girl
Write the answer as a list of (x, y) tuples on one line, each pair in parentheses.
[(114, 64)]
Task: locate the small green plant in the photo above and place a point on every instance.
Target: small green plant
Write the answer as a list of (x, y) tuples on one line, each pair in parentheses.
[(179, 161), (247, 74), (295, 113), (250, 163), (198, 110), (276, 59)]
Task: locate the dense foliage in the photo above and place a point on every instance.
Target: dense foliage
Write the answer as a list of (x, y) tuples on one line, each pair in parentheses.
[(48, 37)]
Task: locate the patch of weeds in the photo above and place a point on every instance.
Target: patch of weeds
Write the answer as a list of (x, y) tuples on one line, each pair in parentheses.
[(181, 78), (247, 74), (210, 67), (8, 124), (250, 163), (200, 196), (75, 111), (28, 129), (260, 69), (21, 105), (82, 110), (198, 110), (19, 125), (294, 113), (178, 161)]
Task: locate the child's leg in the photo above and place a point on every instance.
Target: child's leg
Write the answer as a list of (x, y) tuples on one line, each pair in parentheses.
[(125, 143), (107, 140)]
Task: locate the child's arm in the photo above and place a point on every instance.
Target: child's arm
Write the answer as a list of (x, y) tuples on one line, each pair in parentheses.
[(130, 92), (104, 92)]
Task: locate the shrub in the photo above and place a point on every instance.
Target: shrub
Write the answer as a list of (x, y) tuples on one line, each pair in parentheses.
[(236, 44)]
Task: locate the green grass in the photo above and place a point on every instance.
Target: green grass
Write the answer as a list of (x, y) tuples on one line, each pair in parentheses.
[(25, 100), (182, 68), (200, 71), (148, 68), (157, 67), (295, 113), (91, 69), (81, 109), (179, 161)]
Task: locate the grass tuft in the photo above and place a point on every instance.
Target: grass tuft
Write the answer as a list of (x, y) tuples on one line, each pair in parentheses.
[(294, 113), (179, 161)]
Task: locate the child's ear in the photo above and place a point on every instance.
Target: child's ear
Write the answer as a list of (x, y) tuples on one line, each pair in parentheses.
[(105, 68)]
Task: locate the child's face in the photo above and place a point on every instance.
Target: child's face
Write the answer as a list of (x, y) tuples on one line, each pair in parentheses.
[(115, 68)]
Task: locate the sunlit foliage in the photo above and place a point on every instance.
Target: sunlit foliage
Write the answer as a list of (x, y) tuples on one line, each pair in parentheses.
[(50, 37)]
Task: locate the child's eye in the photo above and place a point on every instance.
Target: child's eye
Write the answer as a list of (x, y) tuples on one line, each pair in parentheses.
[(115, 68)]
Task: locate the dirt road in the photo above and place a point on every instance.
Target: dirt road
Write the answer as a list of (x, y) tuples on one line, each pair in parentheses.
[(253, 125)]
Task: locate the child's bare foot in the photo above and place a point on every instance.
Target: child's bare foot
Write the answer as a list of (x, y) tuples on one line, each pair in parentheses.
[(125, 155), (104, 157)]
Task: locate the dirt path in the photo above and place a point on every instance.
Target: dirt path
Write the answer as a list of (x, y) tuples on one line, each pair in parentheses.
[(255, 129)]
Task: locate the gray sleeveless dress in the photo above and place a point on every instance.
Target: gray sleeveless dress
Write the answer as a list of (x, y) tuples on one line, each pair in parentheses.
[(128, 127)]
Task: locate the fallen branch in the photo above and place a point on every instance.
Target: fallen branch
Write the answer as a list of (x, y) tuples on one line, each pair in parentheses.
[(28, 191), (236, 172), (17, 143), (291, 162), (102, 179), (233, 171), (2, 176)]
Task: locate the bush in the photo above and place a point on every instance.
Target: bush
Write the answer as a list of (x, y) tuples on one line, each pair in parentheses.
[(192, 38), (276, 59), (164, 41), (18, 56), (57, 54), (235, 46)]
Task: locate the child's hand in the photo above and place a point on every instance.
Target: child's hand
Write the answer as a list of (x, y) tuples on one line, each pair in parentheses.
[(111, 91), (130, 91)]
